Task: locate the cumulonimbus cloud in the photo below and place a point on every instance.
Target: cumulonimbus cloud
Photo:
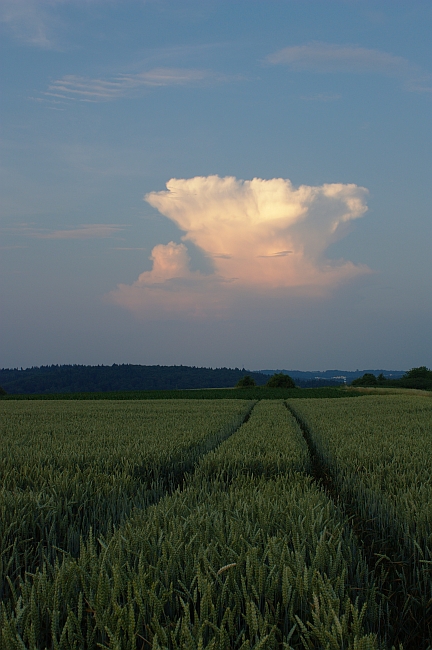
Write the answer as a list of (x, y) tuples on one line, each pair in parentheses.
[(261, 236)]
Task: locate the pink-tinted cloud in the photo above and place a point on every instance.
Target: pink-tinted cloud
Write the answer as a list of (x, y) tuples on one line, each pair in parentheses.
[(262, 236), (172, 288)]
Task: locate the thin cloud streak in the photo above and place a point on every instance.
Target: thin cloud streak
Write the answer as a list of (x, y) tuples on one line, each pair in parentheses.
[(76, 88), (331, 58), (321, 97), (86, 231), (90, 231), (262, 237)]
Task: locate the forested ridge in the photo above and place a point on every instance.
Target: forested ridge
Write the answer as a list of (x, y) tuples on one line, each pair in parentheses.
[(77, 378)]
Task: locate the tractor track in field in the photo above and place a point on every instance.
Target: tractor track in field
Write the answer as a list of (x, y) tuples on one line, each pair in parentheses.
[(319, 471), (406, 634), (181, 480)]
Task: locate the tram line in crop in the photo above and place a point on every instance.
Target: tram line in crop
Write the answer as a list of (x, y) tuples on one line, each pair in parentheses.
[(373, 463)]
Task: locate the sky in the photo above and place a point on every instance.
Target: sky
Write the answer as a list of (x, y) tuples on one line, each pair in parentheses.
[(240, 183)]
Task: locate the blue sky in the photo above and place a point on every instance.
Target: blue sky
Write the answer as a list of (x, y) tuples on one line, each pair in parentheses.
[(218, 183)]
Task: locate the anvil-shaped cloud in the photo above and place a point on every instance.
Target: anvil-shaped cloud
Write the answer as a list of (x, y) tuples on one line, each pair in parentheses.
[(261, 236)]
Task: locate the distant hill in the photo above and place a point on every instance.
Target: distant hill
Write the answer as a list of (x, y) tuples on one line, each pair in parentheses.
[(77, 379), (93, 379), (316, 378)]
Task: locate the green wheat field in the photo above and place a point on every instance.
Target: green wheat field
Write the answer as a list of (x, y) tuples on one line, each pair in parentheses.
[(216, 523)]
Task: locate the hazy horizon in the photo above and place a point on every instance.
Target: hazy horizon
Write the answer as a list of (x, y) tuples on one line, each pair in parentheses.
[(259, 370)]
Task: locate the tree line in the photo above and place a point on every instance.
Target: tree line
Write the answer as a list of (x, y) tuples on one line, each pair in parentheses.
[(420, 378), (125, 377)]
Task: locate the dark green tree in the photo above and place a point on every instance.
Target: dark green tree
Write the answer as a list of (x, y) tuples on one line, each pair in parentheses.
[(368, 379), (420, 378), (246, 382), (418, 373), (2, 391), (280, 380)]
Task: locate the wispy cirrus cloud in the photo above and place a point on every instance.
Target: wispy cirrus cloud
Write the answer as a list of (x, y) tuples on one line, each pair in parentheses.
[(85, 231), (87, 89), (331, 58), (29, 20), (263, 238), (89, 231), (321, 97), (128, 248)]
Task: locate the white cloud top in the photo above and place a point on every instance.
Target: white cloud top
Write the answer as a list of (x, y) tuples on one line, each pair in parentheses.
[(260, 235)]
